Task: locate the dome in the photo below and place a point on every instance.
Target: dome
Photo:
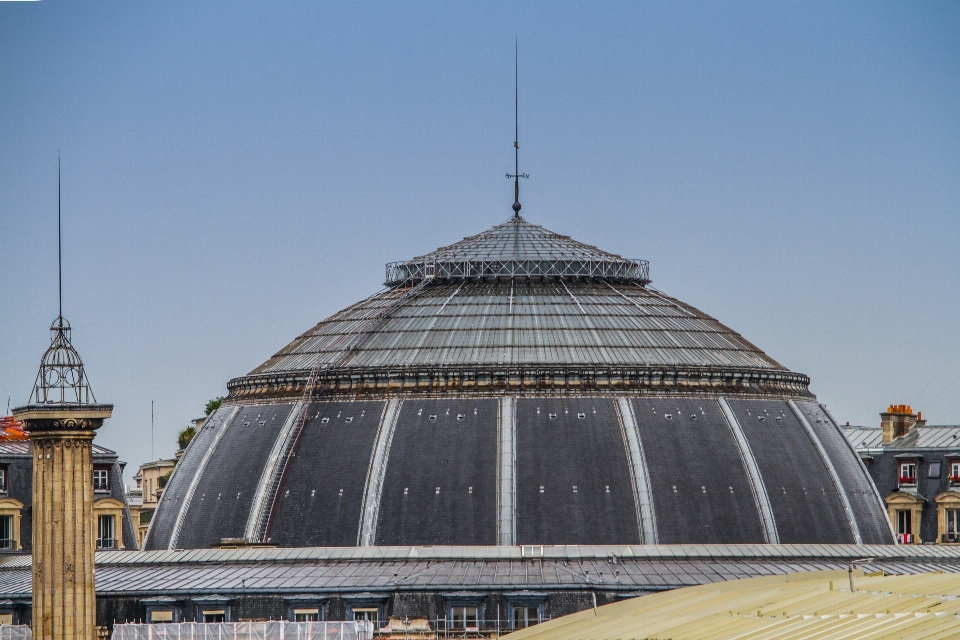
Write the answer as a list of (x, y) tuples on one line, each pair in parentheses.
[(519, 388)]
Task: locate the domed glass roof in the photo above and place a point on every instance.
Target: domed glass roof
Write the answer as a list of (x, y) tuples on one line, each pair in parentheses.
[(518, 294)]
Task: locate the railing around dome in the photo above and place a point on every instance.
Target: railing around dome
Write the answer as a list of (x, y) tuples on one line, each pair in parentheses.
[(635, 270)]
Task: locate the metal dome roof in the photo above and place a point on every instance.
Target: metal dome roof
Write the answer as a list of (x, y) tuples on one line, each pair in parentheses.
[(507, 390)]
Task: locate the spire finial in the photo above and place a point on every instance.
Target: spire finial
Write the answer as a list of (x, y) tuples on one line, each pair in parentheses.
[(516, 135)]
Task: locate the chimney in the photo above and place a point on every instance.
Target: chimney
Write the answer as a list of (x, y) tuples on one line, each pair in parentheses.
[(896, 421)]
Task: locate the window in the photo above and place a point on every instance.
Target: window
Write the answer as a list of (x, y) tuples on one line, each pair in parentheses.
[(955, 472), (367, 615), (933, 471), (908, 472), (6, 533), (105, 536), (3, 478), (524, 617), (214, 615), (904, 521), (161, 615), (306, 615), (953, 521), (463, 617), (101, 480)]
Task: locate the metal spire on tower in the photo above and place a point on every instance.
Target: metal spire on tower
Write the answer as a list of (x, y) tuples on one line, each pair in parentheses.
[(516, 135)]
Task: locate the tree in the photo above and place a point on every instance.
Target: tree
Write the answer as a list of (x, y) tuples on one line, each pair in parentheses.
[(185, 436), (213, 405)]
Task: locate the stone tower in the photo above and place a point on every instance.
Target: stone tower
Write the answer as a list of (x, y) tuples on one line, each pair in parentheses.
[(61, 419)]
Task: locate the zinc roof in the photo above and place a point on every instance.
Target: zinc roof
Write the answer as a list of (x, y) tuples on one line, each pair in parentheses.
[(347, 570), (920, 437), (24, 448), (812, 605)]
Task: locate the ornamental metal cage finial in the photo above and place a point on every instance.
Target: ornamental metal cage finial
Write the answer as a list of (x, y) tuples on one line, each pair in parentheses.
[(61, 379)]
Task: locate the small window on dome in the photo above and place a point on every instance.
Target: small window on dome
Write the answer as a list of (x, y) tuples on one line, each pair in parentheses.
[(325, 420), (433, 417)]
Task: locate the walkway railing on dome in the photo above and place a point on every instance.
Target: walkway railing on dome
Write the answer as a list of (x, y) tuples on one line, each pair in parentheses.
[(399, 272), (271, 630), (15, 632)]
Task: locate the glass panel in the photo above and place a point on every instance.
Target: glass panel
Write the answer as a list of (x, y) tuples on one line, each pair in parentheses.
[(101, 480), (953, 520), (214, 616), (365, 615), (6, 532), (533, 615), (904, 522), (934, 470), (464, 617), (306, 617), (105, 538)]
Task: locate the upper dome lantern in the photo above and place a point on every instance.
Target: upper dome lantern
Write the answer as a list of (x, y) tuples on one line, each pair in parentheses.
[(517, 248)]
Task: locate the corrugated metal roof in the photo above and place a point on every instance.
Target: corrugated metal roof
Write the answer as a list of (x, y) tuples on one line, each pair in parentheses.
[(810, 606), (25, 447), (925, 437), (274, 575)]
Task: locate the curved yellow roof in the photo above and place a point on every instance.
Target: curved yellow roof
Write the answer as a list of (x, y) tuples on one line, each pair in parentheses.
[(815, 605)]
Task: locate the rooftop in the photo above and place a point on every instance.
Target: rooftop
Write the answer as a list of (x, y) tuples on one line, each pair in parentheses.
[(378, 569), (812, 605), (920, 437)]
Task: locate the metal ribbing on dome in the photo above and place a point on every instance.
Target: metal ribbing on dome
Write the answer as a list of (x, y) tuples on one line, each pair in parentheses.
[(547, 323)]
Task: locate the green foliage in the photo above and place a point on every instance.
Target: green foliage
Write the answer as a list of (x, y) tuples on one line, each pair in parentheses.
[(213, 405), (162, 480), (185, 436)]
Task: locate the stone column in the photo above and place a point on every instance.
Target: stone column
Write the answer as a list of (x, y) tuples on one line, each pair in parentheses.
[(64, 531)]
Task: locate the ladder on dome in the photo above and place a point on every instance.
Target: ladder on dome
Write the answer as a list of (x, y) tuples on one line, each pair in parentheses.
[(355, 339)]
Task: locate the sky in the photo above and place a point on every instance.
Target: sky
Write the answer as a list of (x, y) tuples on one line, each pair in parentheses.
[(233, 173)]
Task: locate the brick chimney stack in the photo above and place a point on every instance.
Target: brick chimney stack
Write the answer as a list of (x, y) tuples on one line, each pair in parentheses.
[(896, 421)]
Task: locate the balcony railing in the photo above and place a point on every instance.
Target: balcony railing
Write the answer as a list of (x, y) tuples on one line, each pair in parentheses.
[(8, 543), (908, 479), (106, 543), (486, 628), (950, 536)]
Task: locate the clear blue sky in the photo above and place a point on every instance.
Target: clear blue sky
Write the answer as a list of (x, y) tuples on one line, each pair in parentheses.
[(235, 172)]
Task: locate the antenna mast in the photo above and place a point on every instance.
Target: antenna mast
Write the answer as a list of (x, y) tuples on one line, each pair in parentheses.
[(516, 134), (59, 246)]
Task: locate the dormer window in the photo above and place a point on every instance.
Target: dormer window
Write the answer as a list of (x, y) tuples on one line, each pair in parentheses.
[(908, 473), (955, 472), (101, 480)]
